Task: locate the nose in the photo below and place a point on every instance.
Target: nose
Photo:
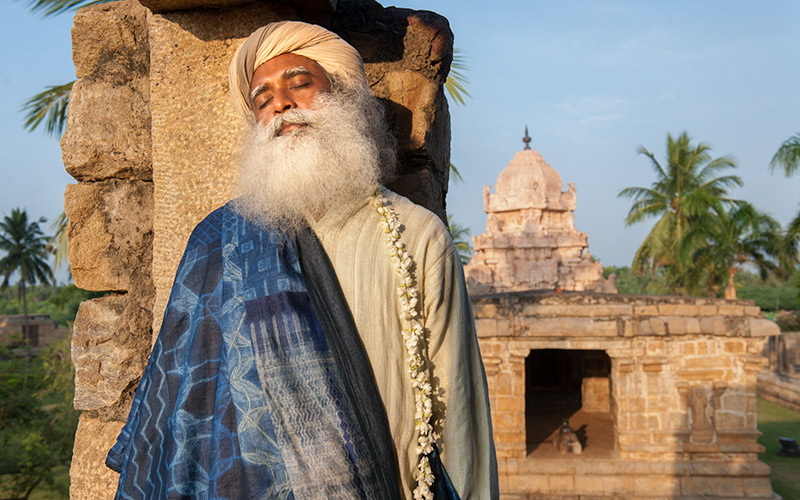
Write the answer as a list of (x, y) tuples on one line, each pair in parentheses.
[(282, 101)]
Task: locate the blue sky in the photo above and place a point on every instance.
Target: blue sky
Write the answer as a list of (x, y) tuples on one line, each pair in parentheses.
[(592, 80)]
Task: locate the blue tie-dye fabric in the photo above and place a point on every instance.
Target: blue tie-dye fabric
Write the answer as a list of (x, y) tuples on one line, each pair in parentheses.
[(241, 397)]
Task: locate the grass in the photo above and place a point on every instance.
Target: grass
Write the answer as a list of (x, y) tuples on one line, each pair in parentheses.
[(774, 422)]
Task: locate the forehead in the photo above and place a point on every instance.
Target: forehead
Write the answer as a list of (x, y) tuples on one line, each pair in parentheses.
[(276, 68)]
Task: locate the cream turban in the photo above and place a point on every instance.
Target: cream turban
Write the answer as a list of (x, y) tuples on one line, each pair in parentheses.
[(336, 56)]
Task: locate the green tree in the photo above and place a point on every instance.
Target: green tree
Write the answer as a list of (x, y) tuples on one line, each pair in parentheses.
[(26, 254), (686, 187), (787, 158), (722, 241), (37, 421), (460, 235)]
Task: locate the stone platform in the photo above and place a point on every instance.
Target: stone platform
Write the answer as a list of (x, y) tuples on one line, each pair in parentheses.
[(680, 381)]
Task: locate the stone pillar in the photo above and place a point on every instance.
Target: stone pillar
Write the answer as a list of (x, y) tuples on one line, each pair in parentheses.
[(107, 148), (149, 138)]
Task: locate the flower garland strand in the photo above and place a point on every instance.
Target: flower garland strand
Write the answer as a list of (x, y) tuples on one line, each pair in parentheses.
[(414, 338)]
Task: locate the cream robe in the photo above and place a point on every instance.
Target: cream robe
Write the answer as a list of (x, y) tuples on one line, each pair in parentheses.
[(356, 245)]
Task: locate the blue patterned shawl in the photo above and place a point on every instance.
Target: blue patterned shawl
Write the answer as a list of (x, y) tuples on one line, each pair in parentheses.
[(258, 385)]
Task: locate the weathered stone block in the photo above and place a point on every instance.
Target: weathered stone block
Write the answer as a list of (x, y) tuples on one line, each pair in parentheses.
[(724, 487), (104, 369), (110, 41), (108, 131), (510, 404), (757, 487), (731, 309), (760, 327), (589, 485), (650, 485), (90, 479), (677, 310), (645, 310), (486, 327), (569, 327), (677, 325), (110, 232)]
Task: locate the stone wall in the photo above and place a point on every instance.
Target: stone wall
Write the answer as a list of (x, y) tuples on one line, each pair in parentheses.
[(149, 138), (683, 393)]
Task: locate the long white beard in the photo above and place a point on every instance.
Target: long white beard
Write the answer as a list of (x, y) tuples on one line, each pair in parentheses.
[(332, 160)]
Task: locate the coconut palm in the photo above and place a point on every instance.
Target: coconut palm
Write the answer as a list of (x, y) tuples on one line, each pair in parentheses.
[(722, 241), (26, 254), (788, 159), (460, 235), (686, 186), (788, 156)]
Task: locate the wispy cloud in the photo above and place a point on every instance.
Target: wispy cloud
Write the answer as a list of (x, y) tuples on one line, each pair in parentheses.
[(596, 109)]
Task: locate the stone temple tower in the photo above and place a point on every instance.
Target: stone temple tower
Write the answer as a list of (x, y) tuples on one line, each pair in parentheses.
[(531, 242)]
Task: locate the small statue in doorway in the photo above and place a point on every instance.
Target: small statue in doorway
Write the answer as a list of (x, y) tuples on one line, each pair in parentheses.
[(566, 441)]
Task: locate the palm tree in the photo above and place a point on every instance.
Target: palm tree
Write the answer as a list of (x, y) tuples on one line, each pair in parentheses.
[(788, 156), (26, 254), (788, 159), (725, 240), (460, 235), (685, 188)]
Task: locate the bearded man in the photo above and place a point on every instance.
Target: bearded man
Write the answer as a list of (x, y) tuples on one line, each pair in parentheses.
[(318, 341)]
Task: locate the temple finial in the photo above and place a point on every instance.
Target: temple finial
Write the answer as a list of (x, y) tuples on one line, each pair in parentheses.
[(526, 139)]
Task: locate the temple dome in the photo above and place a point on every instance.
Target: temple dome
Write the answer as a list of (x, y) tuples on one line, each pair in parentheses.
[(529, 172)]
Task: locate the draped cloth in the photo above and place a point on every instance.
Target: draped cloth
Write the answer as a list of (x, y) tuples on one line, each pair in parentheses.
[(258, 385)]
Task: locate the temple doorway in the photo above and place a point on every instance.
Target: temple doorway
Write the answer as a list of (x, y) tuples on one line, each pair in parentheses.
[(572, 387)]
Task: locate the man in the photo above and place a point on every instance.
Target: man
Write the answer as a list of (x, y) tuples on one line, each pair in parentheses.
[(318, 341)]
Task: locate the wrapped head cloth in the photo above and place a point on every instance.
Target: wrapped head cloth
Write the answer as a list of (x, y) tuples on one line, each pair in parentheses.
[(336, 56)]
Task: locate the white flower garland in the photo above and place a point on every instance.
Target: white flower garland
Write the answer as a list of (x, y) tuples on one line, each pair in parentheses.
[(414, 338)]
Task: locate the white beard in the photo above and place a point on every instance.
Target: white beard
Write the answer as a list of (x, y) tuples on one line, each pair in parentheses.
[(333, 159)]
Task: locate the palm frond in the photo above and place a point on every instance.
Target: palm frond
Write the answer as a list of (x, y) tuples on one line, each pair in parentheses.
[(457, 81), (455, 174), (57, 244), (788, 156), (460, 235), (53, 7), (49, 106)]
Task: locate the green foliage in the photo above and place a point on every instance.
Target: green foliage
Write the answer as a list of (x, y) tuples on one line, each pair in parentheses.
[(460, 235), (53, 7), (26, 254), (771, 293), (57, 245), (48, 106), (787, 158), (774, 422), (37, 420), (686, 187), (722, 240), (456, 81), (632, 283), (25, 247), (60, 302), (788, 321)]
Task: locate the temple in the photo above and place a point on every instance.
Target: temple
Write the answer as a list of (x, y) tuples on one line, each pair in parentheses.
[(531, 242)]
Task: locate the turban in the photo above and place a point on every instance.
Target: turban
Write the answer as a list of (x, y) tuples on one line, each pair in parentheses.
[(336, 56)]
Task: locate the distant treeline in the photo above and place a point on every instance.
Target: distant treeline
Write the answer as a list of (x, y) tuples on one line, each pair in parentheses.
[(60, 302), (770, 294)]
